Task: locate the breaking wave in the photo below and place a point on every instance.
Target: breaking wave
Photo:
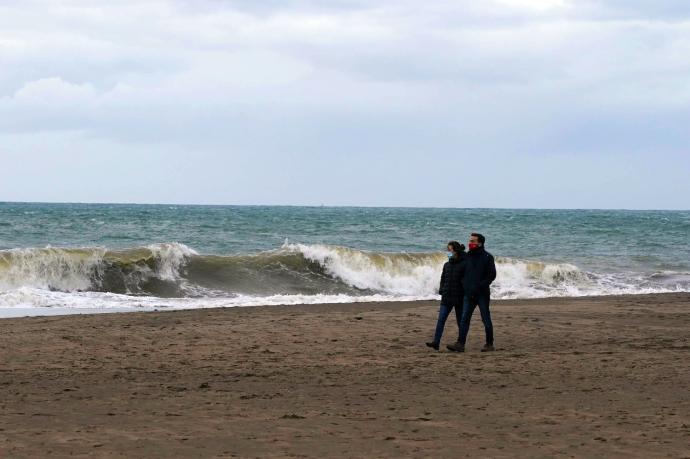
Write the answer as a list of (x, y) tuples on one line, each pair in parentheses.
[(174, 275)]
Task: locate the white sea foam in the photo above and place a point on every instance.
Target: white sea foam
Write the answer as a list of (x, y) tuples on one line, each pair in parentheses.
[(390, 273), (50, 268), (403, 275), (26, 299), (79, 269), (170, 258)]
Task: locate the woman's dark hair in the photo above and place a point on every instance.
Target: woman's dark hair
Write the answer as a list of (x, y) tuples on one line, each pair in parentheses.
[(457, 247)]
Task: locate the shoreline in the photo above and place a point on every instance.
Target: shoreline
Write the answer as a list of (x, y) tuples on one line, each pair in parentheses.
[(571, 377), (16, 312)]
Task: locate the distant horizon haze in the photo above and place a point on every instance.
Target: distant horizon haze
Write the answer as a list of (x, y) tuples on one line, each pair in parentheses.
[(335, 206)]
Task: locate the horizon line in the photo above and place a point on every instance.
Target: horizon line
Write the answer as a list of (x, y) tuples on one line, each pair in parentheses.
[(351, 206)]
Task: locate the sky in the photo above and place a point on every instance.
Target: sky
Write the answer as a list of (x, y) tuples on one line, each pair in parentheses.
[(498, 103)]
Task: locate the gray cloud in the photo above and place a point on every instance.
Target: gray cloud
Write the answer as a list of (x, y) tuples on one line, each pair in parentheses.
[(284, 91)]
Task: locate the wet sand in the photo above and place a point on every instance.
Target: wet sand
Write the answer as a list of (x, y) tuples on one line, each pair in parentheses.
[(589, 377)]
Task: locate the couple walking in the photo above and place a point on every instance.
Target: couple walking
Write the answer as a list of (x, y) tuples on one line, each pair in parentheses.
[(464, 286)]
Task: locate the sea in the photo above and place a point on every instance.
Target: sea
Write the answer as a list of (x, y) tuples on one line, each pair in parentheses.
[(72, 258)]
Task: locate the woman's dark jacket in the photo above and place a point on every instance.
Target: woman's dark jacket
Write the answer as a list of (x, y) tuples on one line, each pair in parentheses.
[(451, 281)]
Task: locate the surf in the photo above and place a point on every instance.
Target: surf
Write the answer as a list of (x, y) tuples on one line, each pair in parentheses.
[(174, 273)]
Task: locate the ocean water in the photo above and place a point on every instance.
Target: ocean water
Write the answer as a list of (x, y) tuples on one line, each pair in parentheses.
[(102, 257)]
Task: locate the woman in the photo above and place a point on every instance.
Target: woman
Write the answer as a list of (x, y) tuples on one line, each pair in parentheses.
[(451, 289)]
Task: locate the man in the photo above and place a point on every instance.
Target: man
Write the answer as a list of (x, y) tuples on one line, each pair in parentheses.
[(451, 290), (480, 272)]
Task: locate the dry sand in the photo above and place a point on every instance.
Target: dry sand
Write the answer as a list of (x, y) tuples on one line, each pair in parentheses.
[(589, 377)]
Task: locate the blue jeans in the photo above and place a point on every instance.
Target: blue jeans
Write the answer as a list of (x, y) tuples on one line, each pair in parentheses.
[(467, 309), (443, 313)]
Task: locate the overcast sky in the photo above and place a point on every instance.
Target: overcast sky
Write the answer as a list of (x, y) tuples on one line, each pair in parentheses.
[(492, 103)]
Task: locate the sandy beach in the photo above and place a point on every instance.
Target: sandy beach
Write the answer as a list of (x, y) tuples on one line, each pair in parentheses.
[(588, 377)]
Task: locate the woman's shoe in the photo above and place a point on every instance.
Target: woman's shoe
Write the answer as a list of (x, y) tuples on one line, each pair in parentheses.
[(457, 347), (432, 344)]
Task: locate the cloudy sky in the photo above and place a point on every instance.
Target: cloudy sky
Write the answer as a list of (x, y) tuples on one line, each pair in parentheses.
[(497, 103)]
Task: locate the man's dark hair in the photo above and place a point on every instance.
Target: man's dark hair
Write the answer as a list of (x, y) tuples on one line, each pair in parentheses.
[(480, 237), (457, 247)]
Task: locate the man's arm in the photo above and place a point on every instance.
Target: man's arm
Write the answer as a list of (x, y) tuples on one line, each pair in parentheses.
[(490, 274)]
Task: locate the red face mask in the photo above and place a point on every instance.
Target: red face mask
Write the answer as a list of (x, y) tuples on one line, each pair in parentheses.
[(473, 245)]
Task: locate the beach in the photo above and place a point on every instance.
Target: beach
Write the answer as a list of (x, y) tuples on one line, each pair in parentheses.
[(571, 377)]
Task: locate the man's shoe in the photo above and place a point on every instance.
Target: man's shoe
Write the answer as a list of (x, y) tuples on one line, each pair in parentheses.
[(432, 345), (488, 348), (456, 347)]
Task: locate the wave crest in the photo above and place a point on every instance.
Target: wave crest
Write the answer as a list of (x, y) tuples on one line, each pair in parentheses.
[(396, 273), (50, 268), (174, 270), (93, 268)]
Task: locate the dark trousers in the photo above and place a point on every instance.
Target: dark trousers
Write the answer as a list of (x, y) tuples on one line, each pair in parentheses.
[(443, 313), (468, 306)]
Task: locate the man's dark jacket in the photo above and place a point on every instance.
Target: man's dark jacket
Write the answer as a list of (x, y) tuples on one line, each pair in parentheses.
[(451, 281), (479, 273)]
